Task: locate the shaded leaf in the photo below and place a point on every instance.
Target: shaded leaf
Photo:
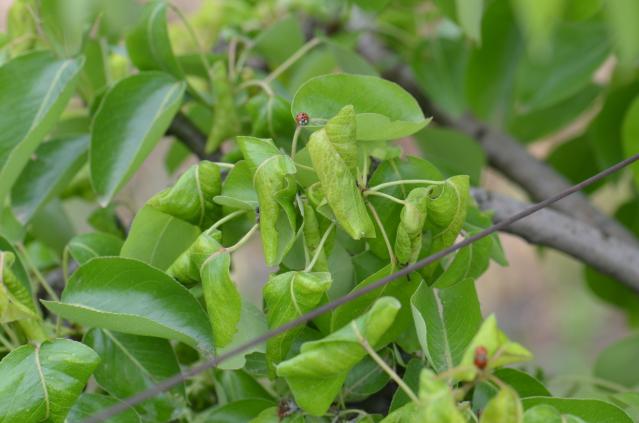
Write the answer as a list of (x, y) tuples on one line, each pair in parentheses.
[(84, 247), (591, 411), (89, 404)]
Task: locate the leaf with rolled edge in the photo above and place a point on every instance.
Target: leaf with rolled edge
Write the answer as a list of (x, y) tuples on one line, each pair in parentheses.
[(191, 197), (313, 232), (89, 404), (408, 241), (186, 268), (84, 247), (34, 90), (340, 187), (237, 189), (447, 209), (276, 189), (503, 407), (130, 364), (16, 302), (44, 177), (385, 111), (443, 331), (317, 373), (341, 130), (130, 296), (132, 117), (149, 45), (287, 296), (41, 383), (157, 238), (223, 301), (501, 350), (226, 122)]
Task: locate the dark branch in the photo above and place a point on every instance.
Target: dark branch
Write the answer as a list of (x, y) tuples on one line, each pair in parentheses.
[(189, 134)]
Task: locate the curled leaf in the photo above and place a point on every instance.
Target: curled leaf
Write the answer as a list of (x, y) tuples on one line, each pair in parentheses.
[(313, 232), (186, 268), (276, 189), (505, 407), (191, 198), (226, 122), (316, 375), (223, 301), (288, 296), (341, 133), (340, 187), (408, 241), (16, 302)]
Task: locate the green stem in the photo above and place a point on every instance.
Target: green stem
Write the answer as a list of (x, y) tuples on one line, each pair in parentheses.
[(291, 60), (389, 247), (388, 197), (320, 247), (381, 363), (225, 165), (296, 136), (52, 294), (405, 182), (10, 333), (301, 166), (257, 83), (225, 219), (244, 239), (6, 343)]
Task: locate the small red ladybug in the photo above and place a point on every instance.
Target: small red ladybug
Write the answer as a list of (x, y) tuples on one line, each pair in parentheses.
[(302, 119), (481, 357)]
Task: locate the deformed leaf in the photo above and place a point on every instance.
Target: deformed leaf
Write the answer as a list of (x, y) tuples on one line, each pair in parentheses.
[(500, 350), (408, 241), (276, 189), (385, 111), (316, 375), (16, 302), (130, 296), (223, 301), (340, 187), (131, 119), (237, 189), (505, 407), (41, 383), (313, 232), (34, 90), (191, 198), (341, 131), (186, 268), (130, 364), (288, 296)]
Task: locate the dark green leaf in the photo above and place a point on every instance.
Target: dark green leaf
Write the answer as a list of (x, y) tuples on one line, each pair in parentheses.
[(131, 119), (44, 177), (366, 378), (128, 295), (630, 134), (66, 22), (89, 404), (34, 90), (239, 385), (525, 384), (234, 412), (84, 247), (42, 383), (591, 411), (617, 362), (237, 190)]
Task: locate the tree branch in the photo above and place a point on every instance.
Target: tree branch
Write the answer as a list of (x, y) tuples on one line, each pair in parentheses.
[(578, 239), (190, 135)]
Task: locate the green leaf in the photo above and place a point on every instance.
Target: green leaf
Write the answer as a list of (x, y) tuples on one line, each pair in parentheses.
[(439, 66), (523, 383), (339, 186), (44, 177), (234, 412), (622, 16), (630, 134), (279, 41), (316, 375), (130, 364), (505, 407), (543, 413), (452, 152), (494, 340), (41, 383), (367, 378), (443, 331), (469, 13), (226, 122), (148, 44), (616, 362), (186, 268), (34, 90), (66, 22), (52, 226), (384, 110), (223, 301), (408, 242), (157, 238), (538, 18), (469, 262), (239, 385), (411, 378), (95, 75), (276, 189), (191, 197), (84, 247), (89, 404), (579, 48), (16, 301), (590, 410), (131, 119), (130, 296), (287, 296), (271, 117), (237, 190), (576, 160), (252, 324)]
